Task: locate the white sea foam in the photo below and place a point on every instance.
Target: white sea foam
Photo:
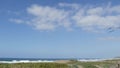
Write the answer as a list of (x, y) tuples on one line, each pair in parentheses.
[(45, 61), (91, 60)]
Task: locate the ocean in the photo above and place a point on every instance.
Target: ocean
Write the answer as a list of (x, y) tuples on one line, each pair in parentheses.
[(33, 60), (36, 60)]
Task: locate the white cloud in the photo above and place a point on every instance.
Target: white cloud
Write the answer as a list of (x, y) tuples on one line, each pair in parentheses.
[(48, 18), (87, 18), (115, 9), (95, 11), (73, 5)]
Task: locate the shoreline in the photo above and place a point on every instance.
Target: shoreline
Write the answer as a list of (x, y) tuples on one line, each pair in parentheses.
[(52, 61)]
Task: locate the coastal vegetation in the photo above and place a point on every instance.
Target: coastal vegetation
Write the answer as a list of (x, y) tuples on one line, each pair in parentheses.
[(65, 64), (33, 65), (96, 64)]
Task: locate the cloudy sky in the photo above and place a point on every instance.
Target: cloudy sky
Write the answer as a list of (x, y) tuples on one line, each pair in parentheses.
[(60, 28)]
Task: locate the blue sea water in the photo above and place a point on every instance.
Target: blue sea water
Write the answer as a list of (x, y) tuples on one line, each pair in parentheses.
[(35, 59)]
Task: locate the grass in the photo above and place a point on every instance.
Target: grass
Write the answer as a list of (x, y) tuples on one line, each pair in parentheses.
[(34, 65), (103, 64), (72, 64)]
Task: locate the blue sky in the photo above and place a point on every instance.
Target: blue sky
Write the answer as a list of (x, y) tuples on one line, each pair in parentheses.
[(59, 28)]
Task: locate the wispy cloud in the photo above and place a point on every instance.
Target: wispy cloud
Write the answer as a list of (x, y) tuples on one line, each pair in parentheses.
[(18, 21), (95, 18), (112, 38)]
